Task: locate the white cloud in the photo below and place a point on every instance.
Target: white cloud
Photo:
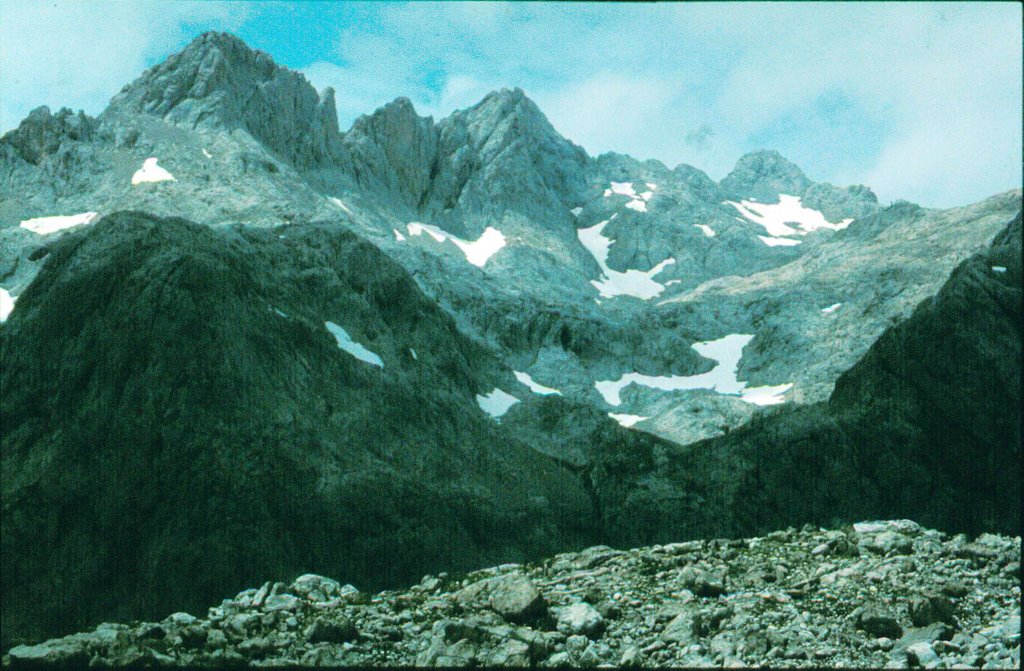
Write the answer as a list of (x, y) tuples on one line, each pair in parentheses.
[(945, 79), (931, 91), (458, 92), (934, 88), (79, 54), (588, 110)]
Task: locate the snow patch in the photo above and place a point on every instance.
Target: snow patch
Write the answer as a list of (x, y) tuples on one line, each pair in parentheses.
[(279, 313), (626, 420), (534, 386), (151, 172), (830, 309), (477, 251), (6, 304), (767, 395), (621, 189), (671, 282), (708, 231), (638, 283), (337, 201), (999, 269), (207, 154), (415, 357), (346, 343), (576, 211), (47, 225), (779, 242), (496, 403), (777, 217), (726, 352), (637, 201), (398, 235)]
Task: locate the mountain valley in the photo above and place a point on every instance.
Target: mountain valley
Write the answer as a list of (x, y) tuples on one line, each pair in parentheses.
[(241, 344)]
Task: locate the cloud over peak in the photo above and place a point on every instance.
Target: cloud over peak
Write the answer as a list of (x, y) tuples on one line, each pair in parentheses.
[(919, 100)]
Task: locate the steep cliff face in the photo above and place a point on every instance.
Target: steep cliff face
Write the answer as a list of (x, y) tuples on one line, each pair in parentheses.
[(392, 152), (219, 81), (503, 156)]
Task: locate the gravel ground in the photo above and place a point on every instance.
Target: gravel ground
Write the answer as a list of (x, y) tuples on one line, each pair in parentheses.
[(875, 594)]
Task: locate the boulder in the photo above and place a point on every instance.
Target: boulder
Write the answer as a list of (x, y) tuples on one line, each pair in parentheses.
[(879, 622), (930, 608), (517, 600), (580, 618), (331, 631), (680, 630)]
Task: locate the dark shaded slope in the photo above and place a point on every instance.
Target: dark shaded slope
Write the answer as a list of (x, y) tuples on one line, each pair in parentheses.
[(949, 378), (926, 426), (178, 423)]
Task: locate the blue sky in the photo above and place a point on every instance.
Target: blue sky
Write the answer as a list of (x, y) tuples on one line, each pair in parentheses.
[(919, 101)]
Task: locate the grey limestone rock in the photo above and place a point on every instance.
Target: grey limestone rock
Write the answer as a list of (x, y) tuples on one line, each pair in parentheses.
[(517, 600), (580, 618), (763, 176), (218, 80)]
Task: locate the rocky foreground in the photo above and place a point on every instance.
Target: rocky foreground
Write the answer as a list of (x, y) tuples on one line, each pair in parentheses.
[(876, 594)]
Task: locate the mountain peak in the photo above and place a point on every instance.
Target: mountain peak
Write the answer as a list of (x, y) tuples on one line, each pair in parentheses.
[(764, 175), (394, 147), (218, 40), (398, 109), (218, 80), (506, 102), (514, 95), (503, 116)]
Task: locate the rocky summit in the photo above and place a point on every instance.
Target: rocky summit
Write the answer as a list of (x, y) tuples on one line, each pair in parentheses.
[(872, 594), (239, 342)]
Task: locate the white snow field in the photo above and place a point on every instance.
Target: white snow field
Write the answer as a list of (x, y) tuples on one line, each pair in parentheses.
[(477, 251), (496, 403), (47, 225), (625, 419), (151, 172), (777, 217), (767, 395), (6, 304), (726, 351), (535, 386), (830, 309), (637, 283), (346, 343), (778, 242), (708, 231)]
